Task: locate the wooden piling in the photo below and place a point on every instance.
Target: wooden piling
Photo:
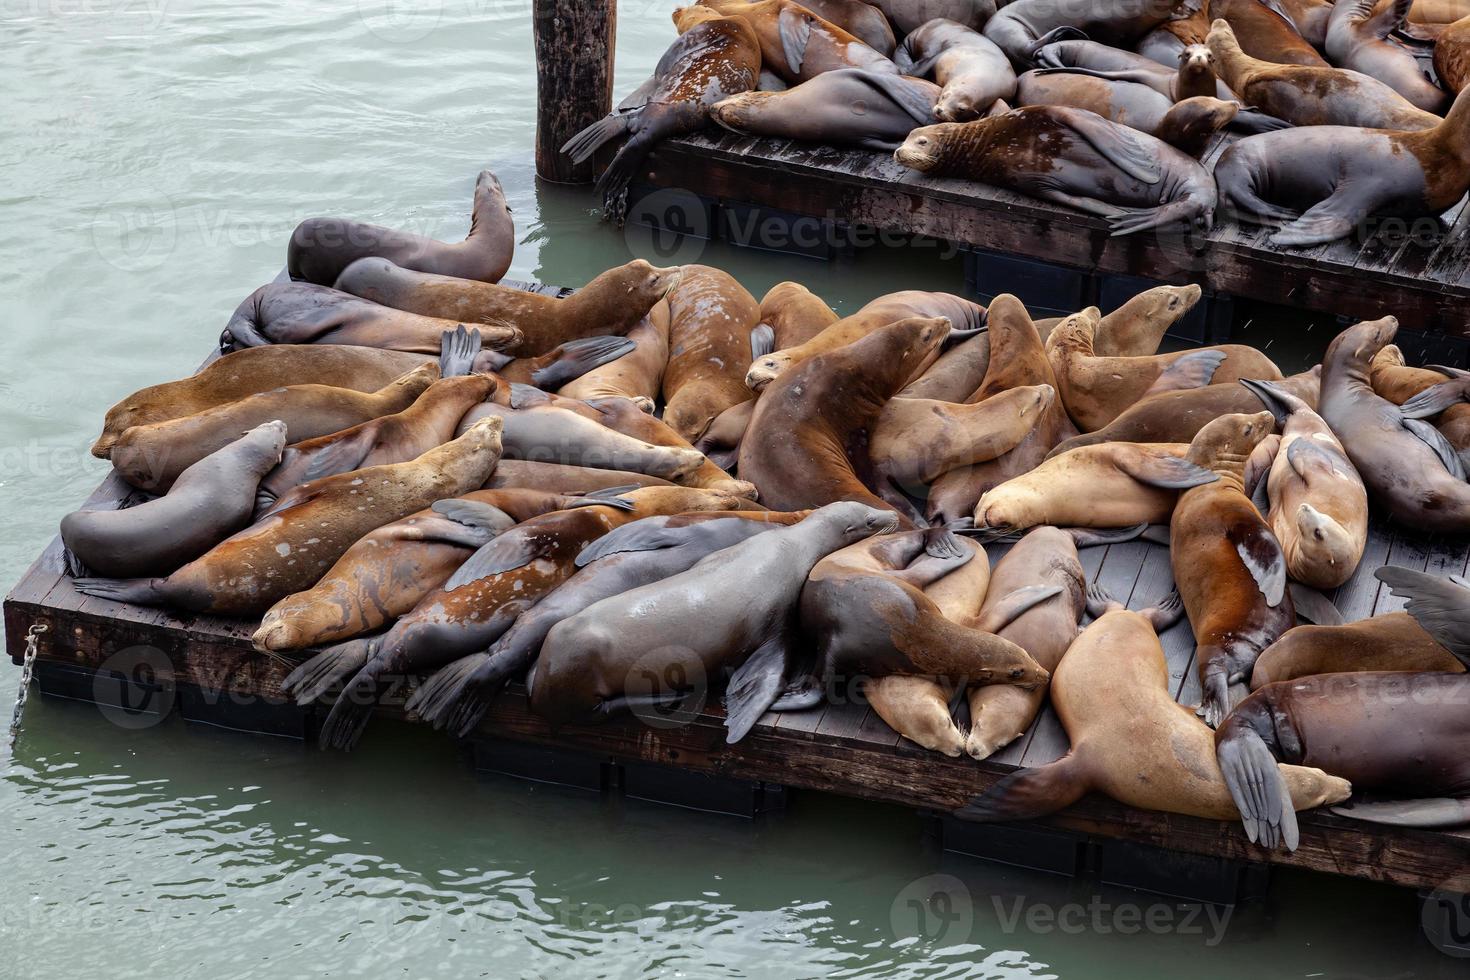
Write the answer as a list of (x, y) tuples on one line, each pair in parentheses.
[(575, 41)]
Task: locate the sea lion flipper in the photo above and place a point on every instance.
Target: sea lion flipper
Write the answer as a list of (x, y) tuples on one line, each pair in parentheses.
[(316, 676), (1193, 370), (801, 695), (762, 341), (1259, 789), (1029, 793), (1261, 494), (1435, 399), (1013, 605), (576, 357), (1262, 557), (1385, 21), (1441, 607), (1276, 401), (500, 554), (1160, 469), (1251, 121), (1123, 148), (1311, 458), (1330, 219), (794, 25), (144, 591), (941, 542), (1314, 607), (458, 349), (1436, 441), (1091, 537), (527, 396), (1430, 813), (649, 534), (340, 456), (755, 686), (484, 520)]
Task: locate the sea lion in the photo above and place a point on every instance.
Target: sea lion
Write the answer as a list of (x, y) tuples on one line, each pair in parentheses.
[(955, 375), (971, 70), (1264, 32), (713, 57), (736, 608), (305, 313), (916, 440), (1407, 465), (1229, 568), (1438, 11), (1136, 328), (1357, 38), (151, 457), (387, 571), (864, 609), (711, 317), (1187, 126), (1117, 484), (1020, 24), (612, 303), (250, 372), (1312, 95), (797, 45), (1192, 74), (807, 439), (1452, 55), (1394, 733), (1177, 416), (250, 571), (1096, 390), (863, 21), (1319, 507), (430, 421), (208, 502), (908, 16), (1130, 739), (562, 478), (1320, 183), (1017, 359), (795, 314), (636, 554), (1164, 43), (964, 318), (638, 374), (1397, 382), (479, 602), (321, 248), (1392, 641), (847, 107), (1072, 157)]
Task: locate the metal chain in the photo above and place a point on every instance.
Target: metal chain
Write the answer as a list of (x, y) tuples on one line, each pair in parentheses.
[(26, 670)]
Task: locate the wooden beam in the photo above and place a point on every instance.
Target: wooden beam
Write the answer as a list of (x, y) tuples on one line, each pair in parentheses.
[(575, 41)]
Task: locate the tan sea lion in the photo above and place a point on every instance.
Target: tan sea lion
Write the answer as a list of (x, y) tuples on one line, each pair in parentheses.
[(1136, 328), (249, 372), (972, 71), (151, 457), (795, 314), (1229, 567), (612, 303), (916, 440), (711, 317), (1263, 31), (1358, 34), (1397, 382), (956, 374), (249, 572), (1392, 641), (638, 374), (1130, 739), (850, 107), (863, 21), (797, 45)]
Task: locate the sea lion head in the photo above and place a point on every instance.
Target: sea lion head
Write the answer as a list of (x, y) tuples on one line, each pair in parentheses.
[(927, 147), (1324, 541), (1197, 59), (682, 500), (1007, 507), (266, 442), (1359, 344), (692, 16), (1230, 439), (1189, 124), (645, 280), (737, 112), (857, 521), (763, 370), (957, 105)]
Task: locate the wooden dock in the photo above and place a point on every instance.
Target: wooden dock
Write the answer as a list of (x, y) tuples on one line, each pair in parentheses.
[(1419, 271)]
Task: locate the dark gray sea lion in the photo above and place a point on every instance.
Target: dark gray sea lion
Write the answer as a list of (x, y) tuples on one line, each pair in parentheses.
[(1188, 125), (1018, 26), (972, 72), (847, 107)]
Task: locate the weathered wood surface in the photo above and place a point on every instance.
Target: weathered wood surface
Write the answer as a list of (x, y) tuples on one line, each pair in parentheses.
[(1419, 271), (575, 40)]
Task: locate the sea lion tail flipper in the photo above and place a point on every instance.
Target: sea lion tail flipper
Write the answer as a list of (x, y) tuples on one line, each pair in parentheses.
[(1013, 605), (1089, 537), (801, 695), (1250, 120), (1161, 469), (458, 349), (1430, 813), (321, 673), (762, 341), (590, 139), (1164, 613), (1029, 793), (143, 591), (1314, 607), (481, 521), (1436, 441), (1193, 370), (1100, 601), (1440, 606), (74, 566), (1261, 554), (1435, 399), (1216, 696), (941, 542), (576, 357), (1258, 788), (351, 712), (755, 686), (441, 695)]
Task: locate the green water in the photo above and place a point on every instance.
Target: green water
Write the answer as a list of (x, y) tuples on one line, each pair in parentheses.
[(155, 156)]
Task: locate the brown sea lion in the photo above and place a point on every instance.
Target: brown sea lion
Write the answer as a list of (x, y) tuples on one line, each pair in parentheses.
[(612, 303), (638, 374), (736, 608), (430, 421), (1136, 328), (1312, 95), (636, 554), (850, 107), (964, 317), (1191, 74), (807, 439), (1188, 125), (1164, 43), (479, 602), (711, 317), (305, 313), (797, 45), (1358, 38), (388, 570), (208, 502), (1020, 24), (1320, 183), (1130, 739), (151, 457), (1072, 157), (1096, 390), (1452, 55), (1392, 641), (1264, 32), (321, 248), (1319, 507), (562, 478), (916, 440), (289, 551), (1017, 359), (1177, 416), (1397, 382), (955, 375), (250, 372), (1229, 568), (1407, 465), (795, 314), (973, 73), (712, 58)]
